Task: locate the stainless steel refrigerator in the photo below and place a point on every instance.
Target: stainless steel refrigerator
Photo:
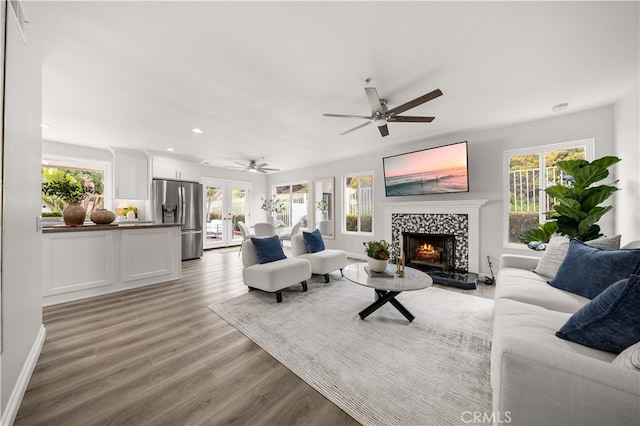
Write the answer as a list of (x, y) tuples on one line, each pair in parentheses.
[(181, 202)]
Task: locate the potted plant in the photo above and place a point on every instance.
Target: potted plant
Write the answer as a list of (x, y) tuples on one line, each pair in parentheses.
[(378, 254), (577, 209), (72, 192)]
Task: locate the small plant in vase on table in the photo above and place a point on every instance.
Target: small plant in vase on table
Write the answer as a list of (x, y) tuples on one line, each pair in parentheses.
[(378, 254)]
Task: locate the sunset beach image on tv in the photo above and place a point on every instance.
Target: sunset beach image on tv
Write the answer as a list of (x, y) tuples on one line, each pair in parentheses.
[(430, 171)]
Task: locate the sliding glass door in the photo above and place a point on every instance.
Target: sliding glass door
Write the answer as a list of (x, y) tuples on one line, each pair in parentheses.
[(226, 203)]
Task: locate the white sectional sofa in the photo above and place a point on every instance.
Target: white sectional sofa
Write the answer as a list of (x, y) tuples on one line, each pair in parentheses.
[(540, 379)]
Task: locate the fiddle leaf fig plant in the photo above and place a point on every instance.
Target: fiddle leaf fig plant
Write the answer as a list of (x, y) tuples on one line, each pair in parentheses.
[(577, 209)]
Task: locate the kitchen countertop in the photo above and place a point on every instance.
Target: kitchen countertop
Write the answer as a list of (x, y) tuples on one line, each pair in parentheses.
[(46, 228)]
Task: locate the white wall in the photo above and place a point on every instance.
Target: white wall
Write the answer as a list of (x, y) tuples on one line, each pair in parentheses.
[(485, 171), (76, 151), (22, 330), (627, 146)]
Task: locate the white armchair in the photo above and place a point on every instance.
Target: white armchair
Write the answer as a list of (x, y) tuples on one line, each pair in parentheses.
[(322, 262), (273, 277)]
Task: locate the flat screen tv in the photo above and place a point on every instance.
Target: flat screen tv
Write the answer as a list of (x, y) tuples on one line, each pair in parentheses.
[(438, 170)]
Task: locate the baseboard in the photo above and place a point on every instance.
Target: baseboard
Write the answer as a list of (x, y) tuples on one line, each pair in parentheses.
[(13, 405)]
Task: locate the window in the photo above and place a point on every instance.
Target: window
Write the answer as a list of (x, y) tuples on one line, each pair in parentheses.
[(91, 174), (358, 203), (528, 172), (294, 198)]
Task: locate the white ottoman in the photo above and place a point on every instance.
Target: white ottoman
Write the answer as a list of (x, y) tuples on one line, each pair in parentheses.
[(322, 262), (273, 276)]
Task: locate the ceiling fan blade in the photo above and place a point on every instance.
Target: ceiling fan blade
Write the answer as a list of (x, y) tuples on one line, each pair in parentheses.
[(235, 167), (414, 103), (408, 119), (384, 130), (346, 116), (356, 128), (374, 100), (269, 169), (261, 165), (242, 164)]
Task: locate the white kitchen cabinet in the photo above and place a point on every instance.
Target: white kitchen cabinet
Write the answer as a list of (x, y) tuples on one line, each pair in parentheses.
[(170, 168), (81, 262), (130, 176)]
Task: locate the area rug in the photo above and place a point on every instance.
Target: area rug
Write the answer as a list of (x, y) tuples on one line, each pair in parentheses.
[(382, 370)]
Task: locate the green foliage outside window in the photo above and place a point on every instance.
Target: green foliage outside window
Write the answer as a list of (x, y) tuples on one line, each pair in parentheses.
[(63, 185)]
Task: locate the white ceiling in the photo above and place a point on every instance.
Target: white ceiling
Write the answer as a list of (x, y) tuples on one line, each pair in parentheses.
[(256, 77)]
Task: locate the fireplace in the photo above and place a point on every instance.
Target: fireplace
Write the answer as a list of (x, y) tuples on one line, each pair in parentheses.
[(436, 255), (456, 217), (429, 252)]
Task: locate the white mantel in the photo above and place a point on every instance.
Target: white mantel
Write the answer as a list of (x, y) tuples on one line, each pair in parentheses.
[(471, 208)]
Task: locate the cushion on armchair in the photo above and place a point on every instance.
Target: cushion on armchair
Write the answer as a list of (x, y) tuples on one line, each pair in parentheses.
[(268, 249), (313, 241)]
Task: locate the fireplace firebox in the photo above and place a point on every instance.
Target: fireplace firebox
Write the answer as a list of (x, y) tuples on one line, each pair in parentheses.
[(429, 252), (435, 254)]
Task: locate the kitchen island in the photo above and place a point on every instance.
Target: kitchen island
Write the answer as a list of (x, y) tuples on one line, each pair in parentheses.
[(90, 260)]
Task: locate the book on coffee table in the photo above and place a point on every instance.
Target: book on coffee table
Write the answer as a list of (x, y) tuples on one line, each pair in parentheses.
[(373, 274)]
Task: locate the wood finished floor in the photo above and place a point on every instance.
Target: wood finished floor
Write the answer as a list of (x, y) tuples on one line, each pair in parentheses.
[(158, 356)]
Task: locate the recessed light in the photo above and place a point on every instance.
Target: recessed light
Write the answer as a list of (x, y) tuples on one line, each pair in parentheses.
[(171, 149), (196, 130), (559, 107), (46, 126)]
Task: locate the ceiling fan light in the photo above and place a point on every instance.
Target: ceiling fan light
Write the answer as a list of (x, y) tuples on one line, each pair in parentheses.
[(380, 122)]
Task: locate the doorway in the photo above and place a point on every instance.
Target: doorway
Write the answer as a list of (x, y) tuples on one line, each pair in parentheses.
[(226, 203)]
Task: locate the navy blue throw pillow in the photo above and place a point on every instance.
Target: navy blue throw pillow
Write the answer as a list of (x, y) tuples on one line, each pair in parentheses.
[(588, 271), (611, 321), (313, 241), (268, 249)]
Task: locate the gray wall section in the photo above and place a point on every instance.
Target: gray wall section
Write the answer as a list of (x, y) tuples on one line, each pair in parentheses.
[(21, 242), (486, 149), (627, 137)]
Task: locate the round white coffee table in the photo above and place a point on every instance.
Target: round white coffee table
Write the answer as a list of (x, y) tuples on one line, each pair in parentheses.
[(387, 287)]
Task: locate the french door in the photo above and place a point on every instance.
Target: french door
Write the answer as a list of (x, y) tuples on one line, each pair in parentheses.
[(226, 202)]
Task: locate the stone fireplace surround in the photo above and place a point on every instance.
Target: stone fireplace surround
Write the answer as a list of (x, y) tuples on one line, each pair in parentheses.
[(458, 217)]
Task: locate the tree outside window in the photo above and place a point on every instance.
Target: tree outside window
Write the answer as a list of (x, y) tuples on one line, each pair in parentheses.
[(92, 179), (358, 202)]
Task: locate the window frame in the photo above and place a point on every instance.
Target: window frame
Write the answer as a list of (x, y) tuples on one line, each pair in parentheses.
[(291, 185), (81, 162), (589, 148), (345, 203)]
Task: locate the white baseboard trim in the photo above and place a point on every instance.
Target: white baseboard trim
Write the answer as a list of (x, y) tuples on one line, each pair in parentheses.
[(13, 405)]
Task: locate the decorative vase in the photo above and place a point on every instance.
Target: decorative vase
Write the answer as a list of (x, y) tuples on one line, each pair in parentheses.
[(102, 217), (377, 265), (74, 214), (270, 219)]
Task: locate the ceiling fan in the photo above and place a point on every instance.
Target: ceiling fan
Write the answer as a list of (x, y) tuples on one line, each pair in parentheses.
[(380, 115), (253, 166)]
